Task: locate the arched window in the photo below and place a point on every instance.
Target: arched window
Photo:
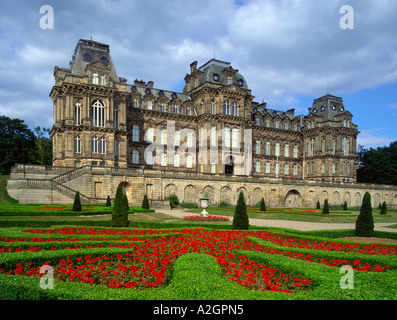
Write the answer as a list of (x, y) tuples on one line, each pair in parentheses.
[(102, 79), (97, 113), (149, 135), (102, 145), (212, 106), (77, 144), (312, 146), (135, 133), (77, 114), (235, 111), (135, 157), (228, 80), (226, 107)]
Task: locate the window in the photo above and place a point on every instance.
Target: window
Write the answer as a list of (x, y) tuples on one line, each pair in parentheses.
[(213, 137), (295, 170), (176, 160), (323, 168), (286, 127), (267, 148), (235, 138), (227, 137), (77, 144), (312, 145), (176, 138), (102, 79), (257, 167), (257, 121), (135, 157), (116, 118), (228, 80), (286, 169), (189, 140), (333, 168), (77, 114), (267, 167), (189, 161), (95, 78), (277, 149), (276, 124), (226, 107), (116, 148), (135, 133), (286, 150), (295, 152), (149, 105), (163, 160), (323, 146), (212, 106), (257, 147), (94, 145), (149, 135), (97, 113), (235, 110), (175, 108), (149, 157), (345, 146), (334, 147), (276, 169), (267, 123), (162, 107), (102, 145), (163, 136), (135, 103), (213, 168), (295, 127), (187, 111)]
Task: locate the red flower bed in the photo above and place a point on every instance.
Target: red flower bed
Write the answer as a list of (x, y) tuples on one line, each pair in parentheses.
[(147, 263), (63, 208)]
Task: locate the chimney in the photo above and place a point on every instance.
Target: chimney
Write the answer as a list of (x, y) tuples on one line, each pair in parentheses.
[(193, 67)]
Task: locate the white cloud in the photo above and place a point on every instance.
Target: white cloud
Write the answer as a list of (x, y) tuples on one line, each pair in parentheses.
[(371, 138)]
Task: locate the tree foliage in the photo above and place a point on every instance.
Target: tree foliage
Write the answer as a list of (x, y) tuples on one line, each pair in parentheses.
[(263, 205), (326, 207), (120, 208), (377, 165), (383, 209), (145, 202), (240, 220), (365, 220), (77, 202), (43, 146)]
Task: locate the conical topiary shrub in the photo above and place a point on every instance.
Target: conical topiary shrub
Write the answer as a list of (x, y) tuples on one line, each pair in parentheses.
[(383, 209), (263, 205), (145, 202), (77, 202), (365, 220), (108, 202), (240, 220), (120, 209), (326, 207), (318, 205), (345, 206)]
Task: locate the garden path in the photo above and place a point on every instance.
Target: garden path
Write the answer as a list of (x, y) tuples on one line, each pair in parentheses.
[(289, 224)]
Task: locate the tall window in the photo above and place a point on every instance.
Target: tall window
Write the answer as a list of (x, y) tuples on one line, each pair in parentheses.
[(295, 170), (212, 106), (295, 152), (323, 168), (77, 114), (235, 138), (175, 108), (187, 111), (163, 136), (267, 167), (276, 125), (267, 148), (176, 160), (102, 79), (149, 135), (345, 146), (102, 145), (312, 146), (257, 167), (135, 157), (162, 106), (257, 147), (277, 149), (95, 78), (97, 113), (135, 133), (116, 148), (286, 169), (149, 105), (135, 103), (286, 150), (226, 107), (149, 157), (227, 136), (176, 138), (235, 113), (213, 136), (77, 144), (267, 124), (189, 161), (333, 146), (228, 80), (94, 145), (163, 160)]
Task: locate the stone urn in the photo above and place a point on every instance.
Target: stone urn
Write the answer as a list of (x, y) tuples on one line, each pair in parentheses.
[(204, 204)]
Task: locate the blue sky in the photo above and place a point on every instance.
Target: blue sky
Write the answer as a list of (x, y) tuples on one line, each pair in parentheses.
[(289, 51)]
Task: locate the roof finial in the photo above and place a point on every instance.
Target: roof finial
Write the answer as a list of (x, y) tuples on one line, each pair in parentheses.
[(214, 49), (91, 30)]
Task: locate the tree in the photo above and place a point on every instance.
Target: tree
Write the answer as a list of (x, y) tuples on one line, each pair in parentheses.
[(145, 202), (17, 143), (174, 201), (120, 208), (383, 209), (377, 165), (263, 205), (326, 207), (365, 221), (108, 202), (345, 206), (77, 202), (43, 146), (318, 205), (240, 220)]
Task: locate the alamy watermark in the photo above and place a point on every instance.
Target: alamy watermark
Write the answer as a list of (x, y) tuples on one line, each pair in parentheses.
[(47, 20), (47, 280), (347, 281), (347, 20)]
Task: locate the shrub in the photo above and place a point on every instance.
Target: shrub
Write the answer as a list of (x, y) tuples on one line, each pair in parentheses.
[(108, 202), (145, 202), (326, 207), (77, 202), (174, 201), (263, 205), (318, 205), (345, 206), (365, 221), (383, 209), (120, 209), (240, 220)]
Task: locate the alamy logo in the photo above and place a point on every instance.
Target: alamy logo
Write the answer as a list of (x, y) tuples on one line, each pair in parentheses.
[(347, 21), (183, 147), (47, 20), (47, 280)]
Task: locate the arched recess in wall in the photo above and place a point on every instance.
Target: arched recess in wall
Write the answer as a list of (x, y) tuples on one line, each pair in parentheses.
[(357, 199), (376, 200), (244, 191), (257, 195), (226, 195), (336, 198), (347, 197), (395, 200), (293, 199), (127, 188), (323, 196), (190, 194), (210, 191), (169, 189)]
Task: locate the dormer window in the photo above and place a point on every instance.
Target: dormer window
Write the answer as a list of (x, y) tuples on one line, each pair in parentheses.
[(333, 107), (95, 78), (229, 80), (87, 57), (341, 109), (216, 77), (105, 61), (102, 79), (240, 82), (315, 110), (322, 108)]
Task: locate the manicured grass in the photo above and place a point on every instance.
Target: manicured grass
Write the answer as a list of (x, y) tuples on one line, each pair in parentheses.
[(4, 197)]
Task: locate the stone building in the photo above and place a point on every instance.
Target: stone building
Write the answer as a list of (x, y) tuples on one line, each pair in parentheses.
[(212, 137)]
